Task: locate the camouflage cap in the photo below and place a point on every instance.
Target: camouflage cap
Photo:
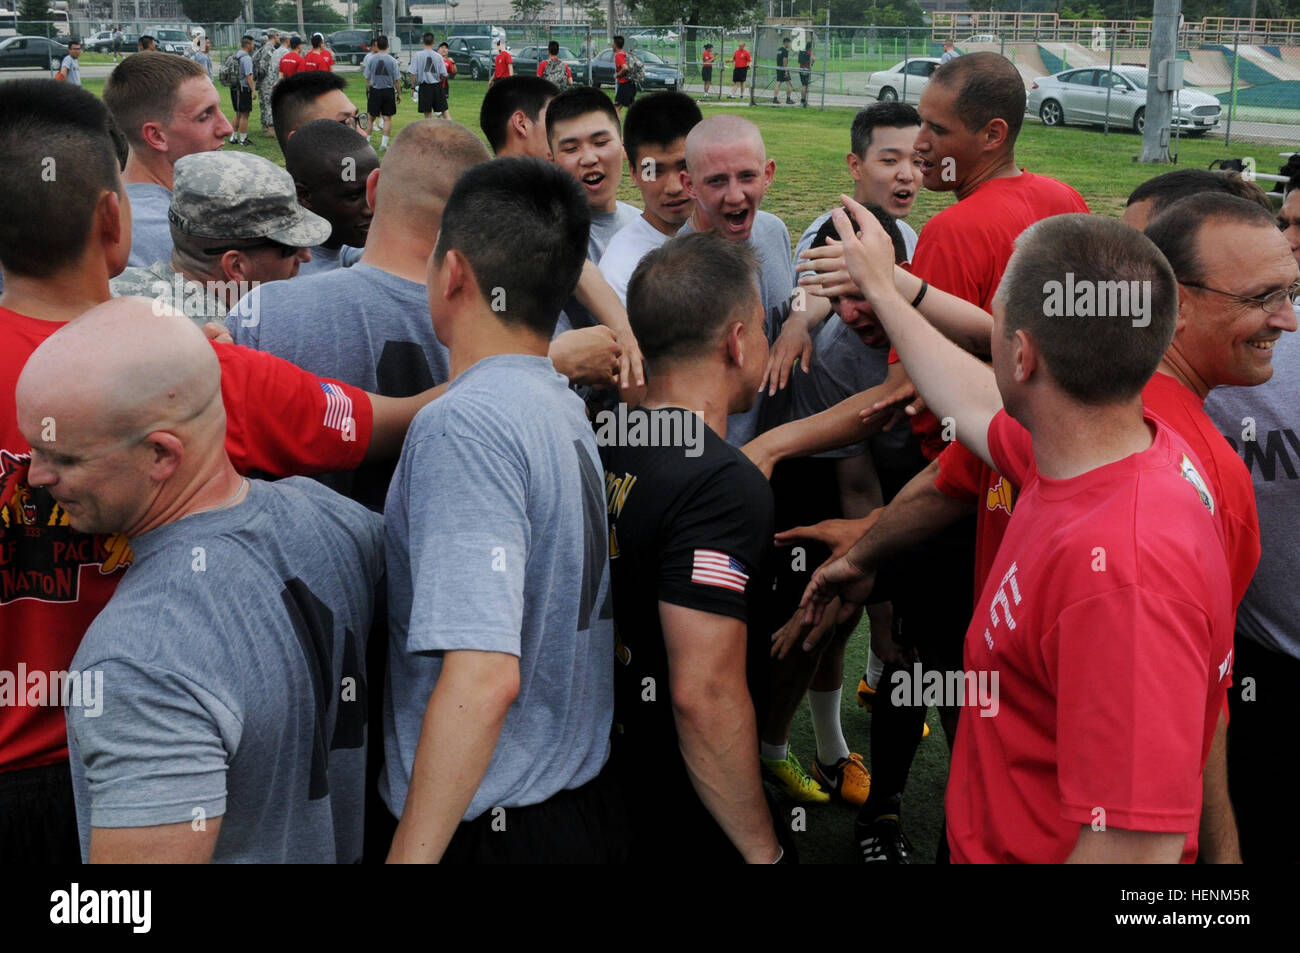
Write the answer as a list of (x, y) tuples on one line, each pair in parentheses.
[(237, 196)]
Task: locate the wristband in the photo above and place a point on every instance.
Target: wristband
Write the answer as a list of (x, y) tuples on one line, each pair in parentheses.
[(925, 286)]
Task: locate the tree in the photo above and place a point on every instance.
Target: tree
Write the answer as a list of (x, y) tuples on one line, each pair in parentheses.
[(31, 14), (212, 11), (594, 11), (526, 11), (723, 13)]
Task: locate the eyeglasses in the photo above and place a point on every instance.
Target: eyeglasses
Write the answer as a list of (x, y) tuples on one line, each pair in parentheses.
[(1271, 302), (360, 122), (285, 250)]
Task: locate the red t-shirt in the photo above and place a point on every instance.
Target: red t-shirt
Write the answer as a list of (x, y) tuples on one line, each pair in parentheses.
[(741, 58), (968, 251), (291, 63), (1107, 618), (541, 70), (54, 581), (501, 65), (620, 60), (707, 57), (964, 476), (321, 59)]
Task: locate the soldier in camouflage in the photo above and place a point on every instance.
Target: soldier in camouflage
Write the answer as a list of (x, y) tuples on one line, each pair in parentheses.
[(266, 66), (235, 222)]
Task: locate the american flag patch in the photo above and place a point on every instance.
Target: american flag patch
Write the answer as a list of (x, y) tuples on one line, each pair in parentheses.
[(338, 406), (713, 568)]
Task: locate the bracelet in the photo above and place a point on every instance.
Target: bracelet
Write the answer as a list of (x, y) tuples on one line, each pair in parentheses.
[(925, 286)]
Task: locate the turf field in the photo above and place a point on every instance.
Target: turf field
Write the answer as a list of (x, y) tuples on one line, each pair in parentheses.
[(809, 148)]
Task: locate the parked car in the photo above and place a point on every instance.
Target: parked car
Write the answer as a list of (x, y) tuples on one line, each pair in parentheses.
[(349, 45), (646, 37), (37, 51), (473, 56), (169, 41), (658, 74), (904, 80), (528, 59), (1079, 96), (130, 41), (982, 38)]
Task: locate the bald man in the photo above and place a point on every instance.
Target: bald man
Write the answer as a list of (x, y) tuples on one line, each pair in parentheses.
[(331, 165), (727, 173), (261, 755)]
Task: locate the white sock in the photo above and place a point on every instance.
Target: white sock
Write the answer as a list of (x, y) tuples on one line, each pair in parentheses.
[(383, 142), (831, 746), (773, 752), (875, 668)]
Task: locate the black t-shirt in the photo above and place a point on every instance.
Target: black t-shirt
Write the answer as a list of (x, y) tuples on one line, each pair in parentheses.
[(693, 531), (782, 58), (805, 59)]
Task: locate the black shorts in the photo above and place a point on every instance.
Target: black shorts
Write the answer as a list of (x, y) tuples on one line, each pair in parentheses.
[(783, 76), (805, 76), (706, 73), (740, 74), (433, 98), (38, 819), (626, 94), (241, 99), (806, 490), (382, 102)]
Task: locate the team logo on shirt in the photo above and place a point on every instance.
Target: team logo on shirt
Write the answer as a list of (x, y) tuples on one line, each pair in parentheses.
[(999, 496), (1188, 470)]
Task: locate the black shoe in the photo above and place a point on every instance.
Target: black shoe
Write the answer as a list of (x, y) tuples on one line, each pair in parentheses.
[(883, 841)]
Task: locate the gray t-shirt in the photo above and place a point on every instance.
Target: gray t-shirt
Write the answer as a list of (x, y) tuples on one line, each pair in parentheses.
[(73, 69), (770, 240), (360, 325), (1269, 610), (381, 70), (428, 66), (245, 69), (233, 659), (328, 259), (151, 233), (604, 226), (625, 251), (496, 535)]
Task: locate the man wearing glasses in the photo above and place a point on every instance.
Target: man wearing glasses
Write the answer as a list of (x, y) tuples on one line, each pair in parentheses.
[(236, 223), (303, 97)]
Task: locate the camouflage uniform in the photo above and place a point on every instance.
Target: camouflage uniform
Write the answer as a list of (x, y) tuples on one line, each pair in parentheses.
[(233, 198), (262, 64)]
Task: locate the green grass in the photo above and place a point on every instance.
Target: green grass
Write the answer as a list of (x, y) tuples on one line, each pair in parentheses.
[(809, 147)]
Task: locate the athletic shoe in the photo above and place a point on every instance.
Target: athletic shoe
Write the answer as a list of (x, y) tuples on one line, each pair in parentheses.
[(776, 101), (848, 780), (883, 841), (789, 101), (867, 694), (791, 778)]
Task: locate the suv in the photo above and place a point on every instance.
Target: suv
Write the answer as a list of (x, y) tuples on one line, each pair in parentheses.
[(473, 55), (172, 41), (350, 45)]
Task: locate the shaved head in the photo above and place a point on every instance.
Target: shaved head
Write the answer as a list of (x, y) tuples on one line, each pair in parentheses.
[(419, 171), (728, 173), (722, 131), (118, 406)]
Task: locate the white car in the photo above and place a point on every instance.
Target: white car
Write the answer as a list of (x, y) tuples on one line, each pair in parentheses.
[(982, 38), (904, 81), (1079, 96)]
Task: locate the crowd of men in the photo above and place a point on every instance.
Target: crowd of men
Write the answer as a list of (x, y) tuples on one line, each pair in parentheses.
[(447, 508)]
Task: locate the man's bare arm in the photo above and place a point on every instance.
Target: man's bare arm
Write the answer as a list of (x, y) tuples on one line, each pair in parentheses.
[(1115, 846), (392, 418), (160, 844), (715, 725), (1217, 843), (595, 294)]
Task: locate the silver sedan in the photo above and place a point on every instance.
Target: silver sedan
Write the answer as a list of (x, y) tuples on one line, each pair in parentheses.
[(1079, 96)]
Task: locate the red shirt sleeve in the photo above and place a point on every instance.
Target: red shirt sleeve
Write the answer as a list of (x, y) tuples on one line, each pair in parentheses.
[(541, 68), (1012, 448), (282, 420), (960, 474), (962, 273)]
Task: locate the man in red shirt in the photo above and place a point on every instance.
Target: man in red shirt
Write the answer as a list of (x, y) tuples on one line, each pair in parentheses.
[(625, 94), (1112, 570), (53, 581), (740, 61), (706, 67), (320, 58), (292, 61), (503, 64)]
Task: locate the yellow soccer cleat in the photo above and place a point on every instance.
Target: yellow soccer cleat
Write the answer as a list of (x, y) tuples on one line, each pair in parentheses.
[(849, 780), (791, 778)]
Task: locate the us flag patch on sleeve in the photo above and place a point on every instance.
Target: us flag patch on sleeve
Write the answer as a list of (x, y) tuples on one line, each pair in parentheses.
[(338, 406), (714, 568)]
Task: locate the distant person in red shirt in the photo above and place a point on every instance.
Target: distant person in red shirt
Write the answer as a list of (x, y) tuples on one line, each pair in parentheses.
[(1112, 571), (503, 64), (444, 51), (292, 61), (320, 58), (553, 69), (706, 67), (626, 93), (740, 60)]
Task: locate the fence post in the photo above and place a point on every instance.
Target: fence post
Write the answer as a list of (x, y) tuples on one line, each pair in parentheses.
[(1232, 101), (753, 62), (1105, 130), (822, 107)]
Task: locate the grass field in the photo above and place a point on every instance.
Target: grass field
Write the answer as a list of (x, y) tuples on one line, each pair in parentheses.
[(809, 148)]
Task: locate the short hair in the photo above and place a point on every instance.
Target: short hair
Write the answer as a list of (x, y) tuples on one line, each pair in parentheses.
[(144, 41), (890, 115), (527, 94), (317, 40), (442, 44), (887, 221), (295, 41), (659, 119), (381, 42), (553, 47), (618, 41), (1177, 230), (46, 223), (667, 287), (320, 145), (787, 39), (708, 46), (537, 259), (143, 88), (1095, 360), (427, 39), (578, 101), (293, 94), (988, 87), (72, 43), (246, 38), (1167, 188)]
